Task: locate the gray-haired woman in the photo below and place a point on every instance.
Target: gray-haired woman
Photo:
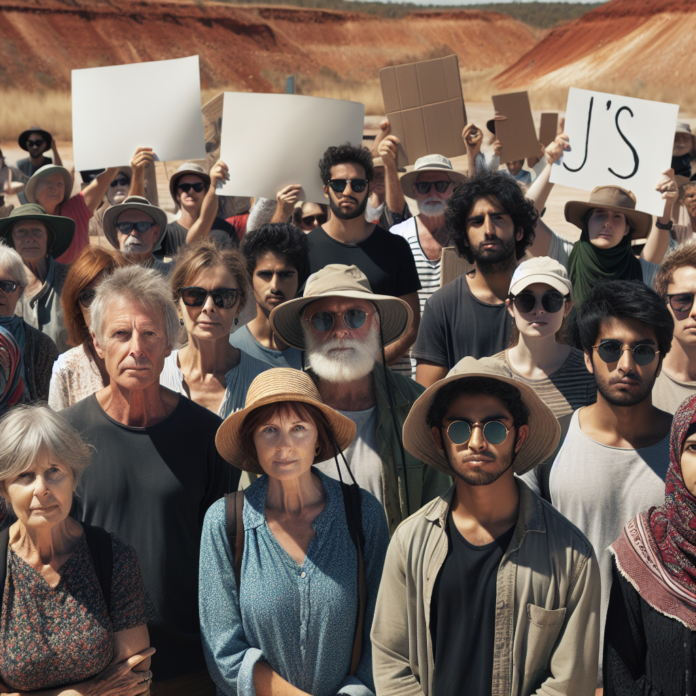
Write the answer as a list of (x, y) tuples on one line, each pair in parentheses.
[(74, 607)]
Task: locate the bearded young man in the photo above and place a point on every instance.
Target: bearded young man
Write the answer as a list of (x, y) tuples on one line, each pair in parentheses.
[(342, 325), (348, 238), (491, 224)]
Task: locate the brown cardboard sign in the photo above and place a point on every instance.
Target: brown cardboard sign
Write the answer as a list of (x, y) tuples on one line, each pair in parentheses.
[(425, 107), (516, 133), (548, 128)]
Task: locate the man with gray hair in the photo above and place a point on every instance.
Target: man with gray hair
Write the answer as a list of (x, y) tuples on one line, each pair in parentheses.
[(344, 327), (156, 469)]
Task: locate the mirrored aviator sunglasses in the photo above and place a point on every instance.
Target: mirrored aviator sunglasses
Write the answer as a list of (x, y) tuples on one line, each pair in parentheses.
[(552, 301), (323, 321), (494, 432), (610, 352), (224, 298)]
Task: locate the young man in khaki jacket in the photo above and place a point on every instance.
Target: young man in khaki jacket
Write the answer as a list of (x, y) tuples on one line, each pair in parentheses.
[(487, 589)]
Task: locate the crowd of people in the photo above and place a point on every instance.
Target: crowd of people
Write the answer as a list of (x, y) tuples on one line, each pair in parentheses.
[(289, 452)]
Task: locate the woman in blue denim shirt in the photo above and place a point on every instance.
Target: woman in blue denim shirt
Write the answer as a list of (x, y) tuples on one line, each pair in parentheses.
[(290, 629)]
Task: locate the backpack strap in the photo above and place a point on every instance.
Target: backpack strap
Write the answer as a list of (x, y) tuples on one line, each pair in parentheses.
[(353, 505), (100, 548), (4, 544), (234, 506)]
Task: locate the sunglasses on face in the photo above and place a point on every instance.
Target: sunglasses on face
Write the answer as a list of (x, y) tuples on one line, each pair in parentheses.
[(339, 185), (140, 227), (119, 182), (311, 219), (494, 432), (86, 297), (552, 301), (8, 285), (197, 187), (681, 301), (223, 298), (35, 143), (610, 351), (353, 318), (425, 186)]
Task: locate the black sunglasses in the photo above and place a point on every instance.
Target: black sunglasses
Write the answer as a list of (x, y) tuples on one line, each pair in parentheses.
[(495, 432), (310, 219), (681, 301), (223, 298), (339, 185), (119, 182), (610, 351), (425, 186), (8, 285), (86, 297), (140, 227), (35, 143), (323, 321), (197, 187), (552, 301)]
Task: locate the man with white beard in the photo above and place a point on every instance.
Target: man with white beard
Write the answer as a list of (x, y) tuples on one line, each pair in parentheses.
[(137, 228), (431, 183), (343, 326)]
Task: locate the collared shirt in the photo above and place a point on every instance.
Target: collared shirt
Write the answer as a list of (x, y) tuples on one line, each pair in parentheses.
[(547, 605)]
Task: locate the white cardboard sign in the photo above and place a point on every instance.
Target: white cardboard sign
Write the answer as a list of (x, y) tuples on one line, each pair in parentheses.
[(617, 141), (118, 108), (272, 140)]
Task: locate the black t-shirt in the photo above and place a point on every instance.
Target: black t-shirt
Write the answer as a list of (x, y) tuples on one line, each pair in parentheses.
[(462, 614), (385, 259), (456, 324), (152, 487), (221, 231), (26, 167)]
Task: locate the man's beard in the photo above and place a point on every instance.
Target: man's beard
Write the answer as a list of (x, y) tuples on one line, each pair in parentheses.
[(357, 212), (432, 207), (494, 261), (343, 366), (625, 399), (485, 478)]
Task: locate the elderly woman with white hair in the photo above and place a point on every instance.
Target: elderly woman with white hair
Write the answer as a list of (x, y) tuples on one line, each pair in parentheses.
[(157, 470), (37, 350), (74, 607)]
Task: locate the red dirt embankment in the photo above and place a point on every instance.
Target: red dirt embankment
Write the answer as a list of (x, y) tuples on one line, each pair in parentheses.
[(648, 44), (246, 46)]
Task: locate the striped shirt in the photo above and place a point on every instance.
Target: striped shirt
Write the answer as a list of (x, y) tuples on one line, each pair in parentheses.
[(238, 381), (429, 276)]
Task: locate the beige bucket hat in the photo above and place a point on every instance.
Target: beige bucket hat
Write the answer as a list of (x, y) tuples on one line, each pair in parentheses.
[(545, 431), (611, 198), (42, 173), (187, 168), (337, 280), (430, 163), (541, 269), (271, 387), (134, 203)]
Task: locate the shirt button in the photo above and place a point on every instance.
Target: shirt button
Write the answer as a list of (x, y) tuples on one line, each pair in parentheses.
[(500, 604), (303, 575)]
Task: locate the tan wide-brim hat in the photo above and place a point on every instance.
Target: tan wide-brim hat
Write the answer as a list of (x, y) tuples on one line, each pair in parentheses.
[(544, 429), (611, 198), (280, 384), (63, 228), (430, 163), (134, 203), (187, 168), (42, 173), (337, 280)]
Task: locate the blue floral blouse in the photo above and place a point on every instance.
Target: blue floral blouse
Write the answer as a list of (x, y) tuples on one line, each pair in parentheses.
[(298, 619)]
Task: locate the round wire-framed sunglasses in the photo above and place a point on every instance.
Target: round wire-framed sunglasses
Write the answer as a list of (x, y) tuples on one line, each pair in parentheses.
[(223, 298), (494, 432), (552, 301), (611, 350), (324, 321)]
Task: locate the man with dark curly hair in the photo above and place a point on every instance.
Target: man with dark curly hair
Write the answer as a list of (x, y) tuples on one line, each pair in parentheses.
[(347, 238), (491, 224)]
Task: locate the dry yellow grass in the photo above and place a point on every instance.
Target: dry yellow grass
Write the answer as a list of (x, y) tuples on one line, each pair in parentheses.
[(50, 109)]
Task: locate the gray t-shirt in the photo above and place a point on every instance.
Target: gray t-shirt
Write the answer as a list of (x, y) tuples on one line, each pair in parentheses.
[(668, 394), (362, 455), (601, 488), (245, 341)]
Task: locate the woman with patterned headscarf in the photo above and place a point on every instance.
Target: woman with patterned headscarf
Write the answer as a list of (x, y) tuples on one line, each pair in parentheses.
[(650, 639)]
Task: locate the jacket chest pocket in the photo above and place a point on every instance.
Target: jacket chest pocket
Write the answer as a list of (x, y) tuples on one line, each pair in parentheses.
[(543, 629)]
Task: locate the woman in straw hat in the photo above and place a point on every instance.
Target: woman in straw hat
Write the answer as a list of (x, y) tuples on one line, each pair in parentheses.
[(287, 606), (650, 636)]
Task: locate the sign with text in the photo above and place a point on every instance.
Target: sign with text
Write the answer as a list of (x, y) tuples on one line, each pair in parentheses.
[(270, 141), (617, 141), (118, 108)]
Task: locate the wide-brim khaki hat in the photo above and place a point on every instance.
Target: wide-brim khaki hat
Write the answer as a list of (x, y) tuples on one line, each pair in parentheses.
[(134, 203), (337, 280), (613, 198), (42, 173), (430, 163), (541, 269), (187, 168), (280, 384), (544, 428), (63, 228)]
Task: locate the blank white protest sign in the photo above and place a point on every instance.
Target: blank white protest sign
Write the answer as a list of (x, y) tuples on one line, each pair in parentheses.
[(617, 141), (118, 108), (270, 141)]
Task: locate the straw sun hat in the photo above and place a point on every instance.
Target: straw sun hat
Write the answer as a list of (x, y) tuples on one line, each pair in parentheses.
[(271, 387), (544, 429)]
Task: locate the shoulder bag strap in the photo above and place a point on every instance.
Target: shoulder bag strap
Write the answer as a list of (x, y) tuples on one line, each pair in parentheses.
[(100, 548), (234, 507)]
